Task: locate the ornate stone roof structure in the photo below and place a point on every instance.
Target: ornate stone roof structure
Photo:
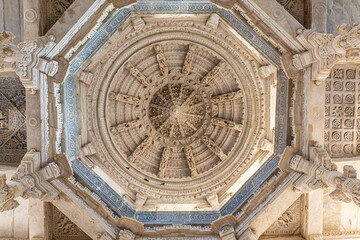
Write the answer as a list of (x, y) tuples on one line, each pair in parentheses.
[(215, 119)]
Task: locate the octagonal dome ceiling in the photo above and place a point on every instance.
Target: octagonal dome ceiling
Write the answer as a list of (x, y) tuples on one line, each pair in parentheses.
[(170, 114)]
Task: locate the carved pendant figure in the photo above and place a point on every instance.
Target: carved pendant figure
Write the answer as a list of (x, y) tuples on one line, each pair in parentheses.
[(160, 56), (164, 161), (190, 160), (213, 147)]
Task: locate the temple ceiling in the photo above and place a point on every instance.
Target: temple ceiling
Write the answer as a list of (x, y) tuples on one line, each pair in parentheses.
[(169, 119)]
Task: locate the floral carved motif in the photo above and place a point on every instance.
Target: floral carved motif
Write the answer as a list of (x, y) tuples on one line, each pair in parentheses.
[(342, 111)]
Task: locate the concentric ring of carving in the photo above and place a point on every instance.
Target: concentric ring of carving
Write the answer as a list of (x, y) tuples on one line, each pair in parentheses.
[(175, 110)]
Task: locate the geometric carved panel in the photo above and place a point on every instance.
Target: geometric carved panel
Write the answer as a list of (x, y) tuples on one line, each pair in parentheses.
[(288, 223), (342, 111), (61, 227), (12, 121), (297, 8), (52, 11)]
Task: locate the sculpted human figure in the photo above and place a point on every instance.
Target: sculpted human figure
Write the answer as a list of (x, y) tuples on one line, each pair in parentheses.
[(160, 56), (9, 53), (190, 160), (164, 161), (213, 147), (227, 97), (7, 195)]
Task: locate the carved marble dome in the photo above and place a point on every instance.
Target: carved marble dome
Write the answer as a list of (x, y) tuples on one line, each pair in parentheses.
[(173, 111)]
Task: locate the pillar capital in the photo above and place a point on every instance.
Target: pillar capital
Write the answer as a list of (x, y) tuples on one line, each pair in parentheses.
[(225, 227), (32, 181), (27, 59), (320, 172), (325, 50)]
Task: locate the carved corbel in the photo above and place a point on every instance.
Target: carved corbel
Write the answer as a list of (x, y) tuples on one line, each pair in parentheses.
[(104, 236), (225, 227), (248, 235), (266, 145), (320, 172), (125, 234), (267, 70), (213, 200), (213, 21), (140, 201), (129, 228), (294, 63), (85, 77), (88, 149), (32, 181), (138, 23), (27, 59)]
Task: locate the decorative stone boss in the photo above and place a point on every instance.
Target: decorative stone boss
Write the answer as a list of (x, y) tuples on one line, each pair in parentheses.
[(32, 181), (320, 172)]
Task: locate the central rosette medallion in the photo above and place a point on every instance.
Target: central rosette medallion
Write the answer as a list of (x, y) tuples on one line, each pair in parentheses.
[(177, 111)]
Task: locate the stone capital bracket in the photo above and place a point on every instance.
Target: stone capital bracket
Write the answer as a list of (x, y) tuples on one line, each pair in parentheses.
[(320, 172), (129, 228), (28, 59), (33, 181), (324, 51), (225, 227)]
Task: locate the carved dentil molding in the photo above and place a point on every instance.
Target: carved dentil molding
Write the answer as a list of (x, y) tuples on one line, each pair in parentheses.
[(26, 59), (320, 172), (31, 181), (325, 50)]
